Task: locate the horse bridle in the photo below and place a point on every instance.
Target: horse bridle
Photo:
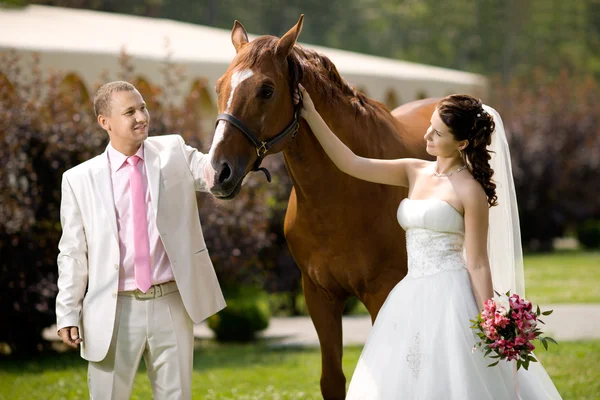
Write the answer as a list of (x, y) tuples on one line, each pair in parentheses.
[(262, 147)]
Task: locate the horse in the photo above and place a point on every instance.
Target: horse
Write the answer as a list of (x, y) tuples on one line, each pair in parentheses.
[(341, 231)]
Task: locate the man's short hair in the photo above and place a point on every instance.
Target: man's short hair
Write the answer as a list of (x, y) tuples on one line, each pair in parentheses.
[(104, 94)]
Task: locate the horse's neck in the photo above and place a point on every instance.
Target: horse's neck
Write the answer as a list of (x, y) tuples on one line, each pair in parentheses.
[(311, 170)]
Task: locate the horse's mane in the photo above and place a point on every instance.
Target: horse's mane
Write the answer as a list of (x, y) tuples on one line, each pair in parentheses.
[(320, 73)]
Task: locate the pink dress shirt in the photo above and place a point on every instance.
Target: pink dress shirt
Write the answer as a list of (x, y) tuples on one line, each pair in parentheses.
[(159, 261)]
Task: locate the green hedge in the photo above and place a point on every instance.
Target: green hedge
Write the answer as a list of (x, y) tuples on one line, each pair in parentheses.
[(588, 234), (246, 314)]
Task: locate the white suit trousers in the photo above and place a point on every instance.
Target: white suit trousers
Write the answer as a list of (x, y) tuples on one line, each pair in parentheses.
[(161, 331)]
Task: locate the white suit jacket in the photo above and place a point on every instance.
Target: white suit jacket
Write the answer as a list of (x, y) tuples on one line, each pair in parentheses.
[(88, 262)]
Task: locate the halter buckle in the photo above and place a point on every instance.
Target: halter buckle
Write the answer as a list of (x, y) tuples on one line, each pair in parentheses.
[(262, 150), (295, 130)]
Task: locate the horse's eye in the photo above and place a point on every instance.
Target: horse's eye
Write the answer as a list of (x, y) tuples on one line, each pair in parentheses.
[(266, 92)]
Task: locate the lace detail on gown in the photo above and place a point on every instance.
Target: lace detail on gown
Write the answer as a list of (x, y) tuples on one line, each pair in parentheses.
[(430, 252), (414, 356)]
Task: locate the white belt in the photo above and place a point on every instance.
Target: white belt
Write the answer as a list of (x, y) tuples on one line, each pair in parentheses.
[(162, 289)]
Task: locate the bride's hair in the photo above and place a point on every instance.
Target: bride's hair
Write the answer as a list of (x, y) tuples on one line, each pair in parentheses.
[(467, 120)]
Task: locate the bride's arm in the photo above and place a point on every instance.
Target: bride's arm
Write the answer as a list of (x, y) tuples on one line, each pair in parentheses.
[(391, 172), (476, 208)]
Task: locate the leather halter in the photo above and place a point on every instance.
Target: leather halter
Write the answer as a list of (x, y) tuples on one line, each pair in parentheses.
[(262, 147)]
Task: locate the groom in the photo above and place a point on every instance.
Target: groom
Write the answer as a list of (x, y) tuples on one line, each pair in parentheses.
[(134, 271)]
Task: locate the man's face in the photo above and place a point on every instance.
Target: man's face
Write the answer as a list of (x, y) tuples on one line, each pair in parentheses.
[(128, 120)]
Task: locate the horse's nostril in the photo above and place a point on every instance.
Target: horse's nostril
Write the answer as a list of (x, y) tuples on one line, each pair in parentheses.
[(224, 173)]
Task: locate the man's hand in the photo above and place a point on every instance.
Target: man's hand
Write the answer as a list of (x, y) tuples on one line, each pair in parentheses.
[(70, 336), (208, 173)]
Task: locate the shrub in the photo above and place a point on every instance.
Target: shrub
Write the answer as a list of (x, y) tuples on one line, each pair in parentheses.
[(246, 314), (553, 128), (588, 234)]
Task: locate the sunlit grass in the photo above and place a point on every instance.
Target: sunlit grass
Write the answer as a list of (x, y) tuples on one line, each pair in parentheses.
[(563, 277), (261, 372)]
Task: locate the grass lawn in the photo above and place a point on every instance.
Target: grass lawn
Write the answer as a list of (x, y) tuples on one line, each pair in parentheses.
[(563, 277), (259, 372)]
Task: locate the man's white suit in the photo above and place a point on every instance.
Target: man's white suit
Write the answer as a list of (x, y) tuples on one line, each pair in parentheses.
[(89, 248)]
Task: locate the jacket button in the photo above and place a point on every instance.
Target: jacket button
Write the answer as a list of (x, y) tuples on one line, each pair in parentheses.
[(114, 295), (116, 266)]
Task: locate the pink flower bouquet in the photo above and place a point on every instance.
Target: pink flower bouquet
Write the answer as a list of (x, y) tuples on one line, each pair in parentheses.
[(506, 327)]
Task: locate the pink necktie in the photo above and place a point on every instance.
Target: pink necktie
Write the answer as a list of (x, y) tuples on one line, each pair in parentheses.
[(141, 243)]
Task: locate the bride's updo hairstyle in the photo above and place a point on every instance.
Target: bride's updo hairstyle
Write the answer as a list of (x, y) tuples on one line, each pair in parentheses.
[(467, 120)]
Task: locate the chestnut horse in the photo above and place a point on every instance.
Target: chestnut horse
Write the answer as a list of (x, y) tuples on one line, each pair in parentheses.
[(342, 231)]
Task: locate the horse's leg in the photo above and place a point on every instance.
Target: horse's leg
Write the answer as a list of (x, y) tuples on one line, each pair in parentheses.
[(373, 304), (374, 301), (326, 314)]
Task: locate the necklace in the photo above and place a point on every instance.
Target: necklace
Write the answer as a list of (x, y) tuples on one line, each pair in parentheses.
[(441, 175)]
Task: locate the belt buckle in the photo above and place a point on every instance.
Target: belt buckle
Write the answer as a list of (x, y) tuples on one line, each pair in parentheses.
[(139, 295)]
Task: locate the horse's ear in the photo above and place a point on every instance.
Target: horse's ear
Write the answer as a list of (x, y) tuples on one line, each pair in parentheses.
[(287, 41), (239, 37)]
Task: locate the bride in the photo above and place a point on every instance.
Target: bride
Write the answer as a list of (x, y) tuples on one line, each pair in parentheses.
[(421, 344)]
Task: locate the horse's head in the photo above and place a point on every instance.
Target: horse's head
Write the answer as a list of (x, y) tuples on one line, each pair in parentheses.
[(257, 116)]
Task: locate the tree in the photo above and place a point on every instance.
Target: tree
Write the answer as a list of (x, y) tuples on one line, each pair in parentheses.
[(554, 134)]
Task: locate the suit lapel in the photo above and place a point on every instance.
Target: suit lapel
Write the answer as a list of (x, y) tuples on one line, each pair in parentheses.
[(101, 179), (152, 163)]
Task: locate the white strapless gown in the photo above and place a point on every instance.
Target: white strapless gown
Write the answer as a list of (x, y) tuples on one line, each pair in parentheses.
[(420, 347)]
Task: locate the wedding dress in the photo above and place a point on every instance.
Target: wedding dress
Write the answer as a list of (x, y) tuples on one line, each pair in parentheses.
[(420, 346)]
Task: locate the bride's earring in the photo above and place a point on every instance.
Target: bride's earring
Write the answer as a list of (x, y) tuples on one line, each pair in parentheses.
[(460, 153)]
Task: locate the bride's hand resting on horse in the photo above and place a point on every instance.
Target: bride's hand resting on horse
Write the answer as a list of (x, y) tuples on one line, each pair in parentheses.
[(308, 106)]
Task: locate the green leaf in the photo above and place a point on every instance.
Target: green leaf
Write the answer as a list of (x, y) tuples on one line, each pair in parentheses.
[(493, 364), (532, 359), (544, 343), (547, 312), (538, 311), (551, 340)]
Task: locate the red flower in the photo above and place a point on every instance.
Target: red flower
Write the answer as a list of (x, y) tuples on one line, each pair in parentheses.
[(508, 316)]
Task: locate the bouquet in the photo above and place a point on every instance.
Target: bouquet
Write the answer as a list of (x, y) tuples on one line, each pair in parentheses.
[(507, 326)]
